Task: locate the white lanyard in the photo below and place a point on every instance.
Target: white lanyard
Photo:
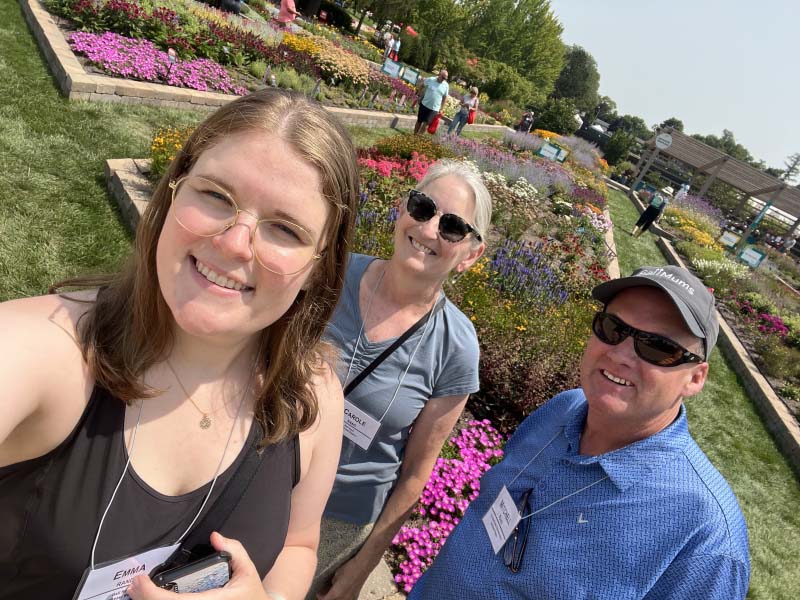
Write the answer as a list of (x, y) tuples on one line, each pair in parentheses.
[(410, 359), (522, 470), (503, 515), (128, 462)]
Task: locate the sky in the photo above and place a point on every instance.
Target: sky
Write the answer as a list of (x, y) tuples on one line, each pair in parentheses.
[(713, 64)]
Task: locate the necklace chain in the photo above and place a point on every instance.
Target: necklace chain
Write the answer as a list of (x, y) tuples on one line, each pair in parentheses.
[(205, 421)]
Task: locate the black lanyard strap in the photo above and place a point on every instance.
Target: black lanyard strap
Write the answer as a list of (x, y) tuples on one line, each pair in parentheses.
[(395, 345)]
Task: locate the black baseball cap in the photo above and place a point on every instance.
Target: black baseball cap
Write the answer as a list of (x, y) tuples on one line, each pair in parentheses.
[(689, 295)]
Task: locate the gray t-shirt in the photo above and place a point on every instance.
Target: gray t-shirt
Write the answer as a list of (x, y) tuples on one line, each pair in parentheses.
[(446, 364)]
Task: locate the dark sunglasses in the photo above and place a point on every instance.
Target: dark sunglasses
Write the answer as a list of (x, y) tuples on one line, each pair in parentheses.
[(514, 549), (650, 347), (452, 228)]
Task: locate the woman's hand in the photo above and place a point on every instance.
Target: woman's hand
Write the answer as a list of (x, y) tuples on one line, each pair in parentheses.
[(245, 584), (347, 581)]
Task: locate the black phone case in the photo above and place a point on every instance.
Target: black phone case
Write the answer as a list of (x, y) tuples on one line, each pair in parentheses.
[(165, 579)]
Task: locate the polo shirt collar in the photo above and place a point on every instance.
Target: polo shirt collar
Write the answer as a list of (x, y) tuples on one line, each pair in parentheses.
[(633, 462)]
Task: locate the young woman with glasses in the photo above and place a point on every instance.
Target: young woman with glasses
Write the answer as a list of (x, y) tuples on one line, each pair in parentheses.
[(194, 378), (400, 414)]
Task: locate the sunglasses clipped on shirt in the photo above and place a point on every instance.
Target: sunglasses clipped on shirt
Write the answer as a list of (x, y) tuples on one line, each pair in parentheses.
[(452, 228), (514, 550), (650, 347)]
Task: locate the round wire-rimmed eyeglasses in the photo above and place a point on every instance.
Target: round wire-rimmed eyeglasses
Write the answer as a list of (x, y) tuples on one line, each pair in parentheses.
[(206, 209)]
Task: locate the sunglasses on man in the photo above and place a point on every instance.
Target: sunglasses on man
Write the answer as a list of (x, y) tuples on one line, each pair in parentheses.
[(452, 228), (650, 347)]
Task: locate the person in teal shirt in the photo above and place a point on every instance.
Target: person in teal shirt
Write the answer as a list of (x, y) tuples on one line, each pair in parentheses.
[(434, 90)]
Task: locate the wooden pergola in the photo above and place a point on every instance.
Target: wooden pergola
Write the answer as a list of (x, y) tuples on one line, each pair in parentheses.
[(719, 166)]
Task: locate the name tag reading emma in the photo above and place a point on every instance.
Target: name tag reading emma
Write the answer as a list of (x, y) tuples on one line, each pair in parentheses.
[(109, 581), (359, 427), (501, 519)]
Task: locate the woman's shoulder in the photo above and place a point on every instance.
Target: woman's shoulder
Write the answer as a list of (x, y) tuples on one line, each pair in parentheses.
[(47, 320), (43, 375), (458, 323)]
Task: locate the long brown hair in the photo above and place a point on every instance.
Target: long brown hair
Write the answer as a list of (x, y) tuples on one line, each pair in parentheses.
[(130, 328)]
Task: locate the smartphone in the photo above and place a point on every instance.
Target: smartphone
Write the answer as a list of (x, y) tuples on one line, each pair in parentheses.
[(208, 573)]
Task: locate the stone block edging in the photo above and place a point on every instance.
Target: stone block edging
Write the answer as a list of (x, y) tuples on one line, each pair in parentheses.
[(776, 416), (76, 84)]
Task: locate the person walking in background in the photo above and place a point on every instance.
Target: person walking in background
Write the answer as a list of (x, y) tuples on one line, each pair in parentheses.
[(469, 104), (603, 493), (396, 48), (525, 122), (408, 404), (788, 244), (651, 214), (287, 13), (434, 90), (388, 44)]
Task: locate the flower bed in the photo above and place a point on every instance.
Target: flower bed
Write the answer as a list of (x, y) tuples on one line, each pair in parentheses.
[(140, 59), (454, 483)]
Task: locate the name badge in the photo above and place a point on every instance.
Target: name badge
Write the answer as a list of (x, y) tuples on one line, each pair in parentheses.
[(501, 519), (109, 581), (359, 427)]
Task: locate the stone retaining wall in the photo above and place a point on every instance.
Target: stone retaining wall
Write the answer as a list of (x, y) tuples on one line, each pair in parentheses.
[(76, 84)]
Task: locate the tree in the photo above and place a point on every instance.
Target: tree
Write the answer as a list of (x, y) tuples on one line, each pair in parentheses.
[(618, 147), (440, 24), (792, 167), (606, 110), (673, 122), (521, 33), (727, 144), (633, 125), (579, 80), (557, 115)]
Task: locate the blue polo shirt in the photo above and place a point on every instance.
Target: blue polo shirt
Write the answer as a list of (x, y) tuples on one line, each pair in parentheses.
[(663, 525)]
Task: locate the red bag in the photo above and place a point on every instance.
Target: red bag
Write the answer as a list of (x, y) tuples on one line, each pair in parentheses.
[(434, 124), (471, 117)]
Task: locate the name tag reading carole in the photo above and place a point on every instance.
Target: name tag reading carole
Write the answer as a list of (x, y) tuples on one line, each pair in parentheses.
[(501, 519), (109, 581), (359, 427)]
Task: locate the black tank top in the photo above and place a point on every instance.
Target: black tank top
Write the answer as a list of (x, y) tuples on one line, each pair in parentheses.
[(50, 506)]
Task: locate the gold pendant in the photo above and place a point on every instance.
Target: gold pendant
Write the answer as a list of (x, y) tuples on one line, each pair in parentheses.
[(205, 422)]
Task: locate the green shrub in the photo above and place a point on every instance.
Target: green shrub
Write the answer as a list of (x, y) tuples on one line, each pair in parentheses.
[(790, 391), (792, 321), (759, 302), (777, 359), (723, 275), (406, 144), (257, 69), (694, 251)]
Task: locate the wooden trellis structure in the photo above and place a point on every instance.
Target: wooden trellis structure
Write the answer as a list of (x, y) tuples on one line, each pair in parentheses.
[(718, 166)]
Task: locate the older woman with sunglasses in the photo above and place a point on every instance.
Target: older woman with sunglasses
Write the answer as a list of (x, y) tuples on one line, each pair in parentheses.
[(190, 393), (409, 362)]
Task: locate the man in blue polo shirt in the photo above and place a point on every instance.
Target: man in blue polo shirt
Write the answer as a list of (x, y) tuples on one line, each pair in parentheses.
[(434, 90), (603, 493)]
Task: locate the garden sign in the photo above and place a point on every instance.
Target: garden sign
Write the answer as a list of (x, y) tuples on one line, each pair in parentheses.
[(751, 256), (391, 68), (553, 151)]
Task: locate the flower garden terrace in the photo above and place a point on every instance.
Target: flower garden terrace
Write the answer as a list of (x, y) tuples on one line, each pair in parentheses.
[(218, 51)]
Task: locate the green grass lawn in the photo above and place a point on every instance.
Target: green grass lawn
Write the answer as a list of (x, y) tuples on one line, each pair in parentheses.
[(725, 424), (56, 220)]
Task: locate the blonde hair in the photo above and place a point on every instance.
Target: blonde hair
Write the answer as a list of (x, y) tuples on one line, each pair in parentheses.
[(472, 178), (130, 327)]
